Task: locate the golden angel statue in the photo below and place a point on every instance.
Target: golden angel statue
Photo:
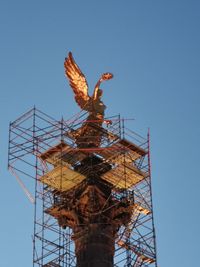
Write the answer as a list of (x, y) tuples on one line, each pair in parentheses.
[(93, 104)]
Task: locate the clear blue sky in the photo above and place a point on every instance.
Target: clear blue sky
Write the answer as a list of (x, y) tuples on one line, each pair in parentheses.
[(152, 47)]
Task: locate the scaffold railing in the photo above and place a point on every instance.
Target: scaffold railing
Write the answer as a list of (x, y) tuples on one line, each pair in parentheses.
[(50, 166)]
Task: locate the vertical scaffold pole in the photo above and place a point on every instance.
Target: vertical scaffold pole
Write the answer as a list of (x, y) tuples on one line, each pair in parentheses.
[(149, 163)]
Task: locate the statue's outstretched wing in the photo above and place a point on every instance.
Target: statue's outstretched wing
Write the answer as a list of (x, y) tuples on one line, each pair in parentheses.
[(77, 81)]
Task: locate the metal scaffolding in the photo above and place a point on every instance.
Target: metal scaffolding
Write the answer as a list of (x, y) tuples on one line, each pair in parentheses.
[(48, 164)]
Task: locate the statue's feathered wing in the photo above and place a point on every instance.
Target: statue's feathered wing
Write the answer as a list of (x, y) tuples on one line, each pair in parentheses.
[(77, 81)]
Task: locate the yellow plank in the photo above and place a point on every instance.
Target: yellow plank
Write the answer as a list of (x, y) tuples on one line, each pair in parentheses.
[(123, 177), (62, 178)]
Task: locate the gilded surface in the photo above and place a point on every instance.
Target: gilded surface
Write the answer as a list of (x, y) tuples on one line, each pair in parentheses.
[(88, 135), (93, 104)]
